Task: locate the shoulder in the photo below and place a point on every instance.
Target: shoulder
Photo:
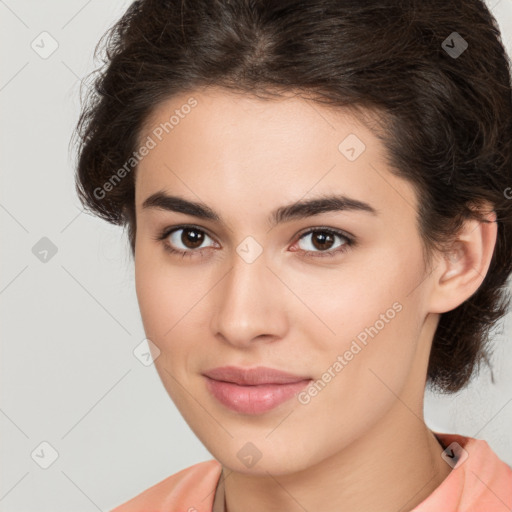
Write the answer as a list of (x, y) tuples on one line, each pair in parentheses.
[(479, 479), (190, 490)]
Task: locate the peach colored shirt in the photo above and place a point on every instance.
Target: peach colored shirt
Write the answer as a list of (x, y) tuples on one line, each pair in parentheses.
[(478, 482)]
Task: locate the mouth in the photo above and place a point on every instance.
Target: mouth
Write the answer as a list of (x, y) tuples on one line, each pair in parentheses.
[(253, 391)]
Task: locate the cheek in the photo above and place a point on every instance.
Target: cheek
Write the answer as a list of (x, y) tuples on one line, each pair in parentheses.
[(369, 329), (367, 295), (156, 313), (160, 291), (162, 308), (169, 301)]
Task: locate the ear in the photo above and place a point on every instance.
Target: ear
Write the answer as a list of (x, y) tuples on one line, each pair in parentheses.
[(460, 271)]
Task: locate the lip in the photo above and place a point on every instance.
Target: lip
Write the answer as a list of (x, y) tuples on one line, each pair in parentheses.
[(253, 376), (254, 390)]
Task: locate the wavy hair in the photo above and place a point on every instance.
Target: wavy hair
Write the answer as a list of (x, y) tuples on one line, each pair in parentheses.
[(434, 72)]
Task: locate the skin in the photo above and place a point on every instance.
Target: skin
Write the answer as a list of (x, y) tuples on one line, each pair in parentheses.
[(361, 443)]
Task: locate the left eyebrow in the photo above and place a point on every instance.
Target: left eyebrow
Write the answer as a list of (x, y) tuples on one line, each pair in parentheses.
[(294, 211)]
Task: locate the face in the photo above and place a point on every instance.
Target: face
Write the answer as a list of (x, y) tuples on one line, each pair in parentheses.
[(335, 292)]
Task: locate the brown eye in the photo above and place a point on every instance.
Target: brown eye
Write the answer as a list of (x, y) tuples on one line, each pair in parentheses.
[(191, 238), (186, 239), (323, 240)]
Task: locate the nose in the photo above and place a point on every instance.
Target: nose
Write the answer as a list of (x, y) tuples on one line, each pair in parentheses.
[(250, 304)]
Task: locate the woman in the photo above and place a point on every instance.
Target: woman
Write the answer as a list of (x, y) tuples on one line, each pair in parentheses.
[(316, 200)]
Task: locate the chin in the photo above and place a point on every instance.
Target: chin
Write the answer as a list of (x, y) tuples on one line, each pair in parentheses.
[(259, 458)]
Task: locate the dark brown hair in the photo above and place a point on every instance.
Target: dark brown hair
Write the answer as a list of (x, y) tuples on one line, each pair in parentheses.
[(446, 109)]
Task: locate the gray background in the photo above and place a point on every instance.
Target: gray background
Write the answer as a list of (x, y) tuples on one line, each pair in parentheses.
[(70, 324)]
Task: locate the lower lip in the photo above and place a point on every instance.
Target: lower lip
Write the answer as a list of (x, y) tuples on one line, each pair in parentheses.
[(253, 399)]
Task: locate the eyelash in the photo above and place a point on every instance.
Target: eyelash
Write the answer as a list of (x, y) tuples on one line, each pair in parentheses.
[(349, 242)]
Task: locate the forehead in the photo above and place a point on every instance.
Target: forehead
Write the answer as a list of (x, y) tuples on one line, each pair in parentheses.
[(215, 144), (215, 112)]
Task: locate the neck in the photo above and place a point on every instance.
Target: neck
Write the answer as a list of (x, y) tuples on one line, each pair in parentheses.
[(387, 469)]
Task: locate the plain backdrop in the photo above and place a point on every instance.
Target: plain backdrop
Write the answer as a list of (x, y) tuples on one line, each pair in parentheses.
[(74, 397)]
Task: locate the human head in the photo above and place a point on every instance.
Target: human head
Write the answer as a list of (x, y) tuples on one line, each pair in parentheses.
[(445, 122)]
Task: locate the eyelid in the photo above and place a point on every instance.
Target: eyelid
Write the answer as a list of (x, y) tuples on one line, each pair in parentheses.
[(336, 231)]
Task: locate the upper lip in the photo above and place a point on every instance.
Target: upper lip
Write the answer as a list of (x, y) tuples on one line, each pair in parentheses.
[(252, 376)]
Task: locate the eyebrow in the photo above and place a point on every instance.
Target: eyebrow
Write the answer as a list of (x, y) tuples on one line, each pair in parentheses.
[(299, 210)]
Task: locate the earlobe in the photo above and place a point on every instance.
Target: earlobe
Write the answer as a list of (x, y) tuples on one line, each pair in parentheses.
[(462, 270)]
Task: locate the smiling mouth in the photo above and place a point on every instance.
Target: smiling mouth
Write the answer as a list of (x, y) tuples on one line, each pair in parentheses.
[(253, 398)]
